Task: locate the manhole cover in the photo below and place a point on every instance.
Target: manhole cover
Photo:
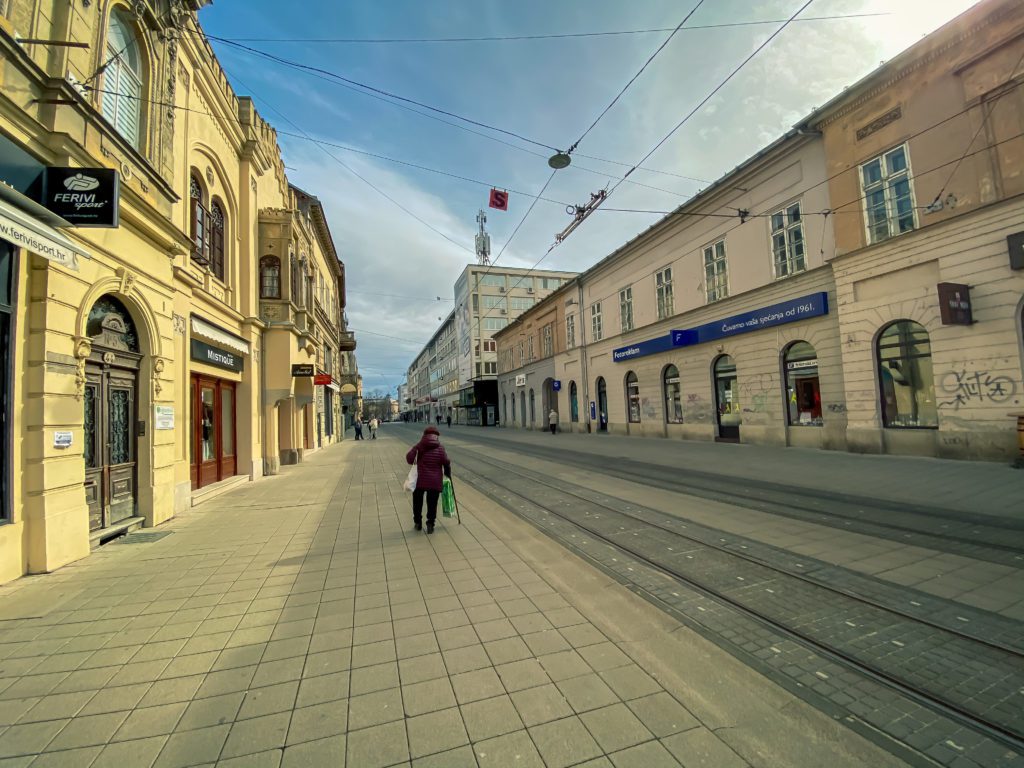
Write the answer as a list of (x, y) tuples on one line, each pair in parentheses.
[(143, 538)]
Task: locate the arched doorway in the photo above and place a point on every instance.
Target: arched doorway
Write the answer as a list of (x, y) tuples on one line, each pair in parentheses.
[(727, 399), (522, 406), (111, 413), (574, 403), (602, 405), (533, 409)]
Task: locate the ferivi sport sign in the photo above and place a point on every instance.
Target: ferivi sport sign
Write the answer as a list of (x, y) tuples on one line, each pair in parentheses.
[(84, 197)]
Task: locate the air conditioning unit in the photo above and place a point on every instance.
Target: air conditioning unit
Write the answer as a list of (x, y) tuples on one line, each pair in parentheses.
[(529, 290), (504, 311)]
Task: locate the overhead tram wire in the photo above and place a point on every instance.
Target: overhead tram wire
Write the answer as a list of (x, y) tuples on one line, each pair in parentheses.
[(685, 119), (633, 79), (552, 36)]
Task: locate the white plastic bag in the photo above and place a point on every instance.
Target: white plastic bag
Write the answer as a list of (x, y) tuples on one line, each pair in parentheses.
[(410, 481)]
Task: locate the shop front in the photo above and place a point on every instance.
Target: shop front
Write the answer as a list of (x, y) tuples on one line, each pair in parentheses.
[(216, 375)]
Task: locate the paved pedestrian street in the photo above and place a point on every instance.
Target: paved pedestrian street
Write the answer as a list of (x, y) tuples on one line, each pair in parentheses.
[(300, 621)]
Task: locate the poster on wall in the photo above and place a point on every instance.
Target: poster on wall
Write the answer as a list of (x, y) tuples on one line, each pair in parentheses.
[(163, 417)]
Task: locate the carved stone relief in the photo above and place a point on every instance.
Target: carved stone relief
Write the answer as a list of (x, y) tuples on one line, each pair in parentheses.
[(179, 324)]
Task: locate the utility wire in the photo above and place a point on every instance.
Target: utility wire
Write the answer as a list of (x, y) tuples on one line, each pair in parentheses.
[(633, 79), (554, 36)]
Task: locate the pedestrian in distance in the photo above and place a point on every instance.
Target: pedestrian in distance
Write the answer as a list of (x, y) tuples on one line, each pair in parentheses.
[(553, 421), (357, 425), (432, 466), (449, 421), (373, 428)]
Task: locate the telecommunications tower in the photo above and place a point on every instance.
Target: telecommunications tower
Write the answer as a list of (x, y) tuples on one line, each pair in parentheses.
[(483, 241)]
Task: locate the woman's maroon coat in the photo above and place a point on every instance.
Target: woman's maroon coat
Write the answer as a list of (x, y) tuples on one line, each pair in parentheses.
[(431, 461)]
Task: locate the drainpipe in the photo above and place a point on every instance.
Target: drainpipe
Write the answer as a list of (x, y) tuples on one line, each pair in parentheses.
[(583, 359)]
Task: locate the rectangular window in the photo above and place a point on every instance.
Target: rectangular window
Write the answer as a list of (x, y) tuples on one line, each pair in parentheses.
[(570, 331), (494, 302), (626, 309), (490, 345), (476, 302), (663, 286), (522, 353), (716, 276), (494, 323), (596, 324), (788, 241), (529, 348), (490, 368), (888, 195), (547, 342), (520, 303), (550, 283), (495, 281)]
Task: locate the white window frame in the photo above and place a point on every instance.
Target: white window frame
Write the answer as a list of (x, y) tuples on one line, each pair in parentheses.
[(885, 184), (596, 322), (792, 234), (626, 309), (719, 288), (570, 331), (547, 342), (664, 294), (121, 100)]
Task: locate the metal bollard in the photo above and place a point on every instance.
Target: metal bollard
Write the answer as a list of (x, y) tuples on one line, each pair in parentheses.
[(1019, 461)]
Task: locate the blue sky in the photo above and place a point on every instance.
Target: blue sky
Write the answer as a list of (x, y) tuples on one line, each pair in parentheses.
[(546, 90)]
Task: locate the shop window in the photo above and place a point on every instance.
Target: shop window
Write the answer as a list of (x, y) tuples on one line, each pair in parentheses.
[(574, 402), (906, 382), (633, 398), (803, 391), (121, 99), (673, 395), (8, 294), (270, 277)]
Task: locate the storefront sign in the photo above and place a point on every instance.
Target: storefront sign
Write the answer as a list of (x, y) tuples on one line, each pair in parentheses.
[(955, 304), (520, 379), (642, 348), (302, 369), (23, 231), (322, 379), (86, 197), (219, 358), (798, 364), (164, 417), (556, 385), (63, 439), (791, 311)]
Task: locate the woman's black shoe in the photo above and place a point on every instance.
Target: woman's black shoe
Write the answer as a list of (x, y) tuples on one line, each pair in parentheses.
[(430, 528), (419, 526)]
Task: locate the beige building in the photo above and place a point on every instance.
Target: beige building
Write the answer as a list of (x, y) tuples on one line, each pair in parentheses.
[(926, 167), (718, 322), (132, 378)]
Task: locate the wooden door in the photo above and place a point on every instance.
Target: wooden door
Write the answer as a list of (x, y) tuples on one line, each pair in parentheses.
[(213, 441), (111, 444)]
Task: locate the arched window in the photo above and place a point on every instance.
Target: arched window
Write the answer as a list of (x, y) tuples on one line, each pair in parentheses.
[(200, 221), (216, 225), (632, 398), (522, 407), (122, 95), (803, 392), (533, 409), (906, 382), (270, 277), (673, 395), (602, 404), (513, 398), (574, 402)]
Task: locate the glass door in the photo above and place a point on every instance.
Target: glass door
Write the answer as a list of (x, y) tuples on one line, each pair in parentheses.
[(727, 399)]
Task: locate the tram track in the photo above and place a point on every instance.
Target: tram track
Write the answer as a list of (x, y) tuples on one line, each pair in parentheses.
[(917, 658), (982, 537)]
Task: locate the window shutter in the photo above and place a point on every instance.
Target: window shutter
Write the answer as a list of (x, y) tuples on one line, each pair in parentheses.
[(109, 99), (195, 222), (129, 107)]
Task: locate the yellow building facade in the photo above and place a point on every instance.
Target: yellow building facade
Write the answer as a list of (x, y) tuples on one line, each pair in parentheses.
[(138, 365)]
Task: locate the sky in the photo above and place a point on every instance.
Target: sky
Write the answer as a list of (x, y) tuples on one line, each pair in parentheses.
[(543, 90)]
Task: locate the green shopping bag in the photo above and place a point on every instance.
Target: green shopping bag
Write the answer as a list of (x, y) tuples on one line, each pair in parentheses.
[(447, 499)]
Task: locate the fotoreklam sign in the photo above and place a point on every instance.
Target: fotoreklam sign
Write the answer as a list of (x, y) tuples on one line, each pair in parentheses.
[(85, 197)]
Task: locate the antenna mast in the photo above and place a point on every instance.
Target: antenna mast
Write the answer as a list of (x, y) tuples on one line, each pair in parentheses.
[(483, 241)]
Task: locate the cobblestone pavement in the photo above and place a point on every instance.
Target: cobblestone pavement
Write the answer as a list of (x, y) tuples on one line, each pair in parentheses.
[(299, 621), (831, 531)]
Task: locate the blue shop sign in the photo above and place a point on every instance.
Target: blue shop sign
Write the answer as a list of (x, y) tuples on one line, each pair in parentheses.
[(642, 348), (556, 385), (791, 311)]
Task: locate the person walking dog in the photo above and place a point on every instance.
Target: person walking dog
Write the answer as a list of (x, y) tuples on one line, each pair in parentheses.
[(432, 465), (553, 421)]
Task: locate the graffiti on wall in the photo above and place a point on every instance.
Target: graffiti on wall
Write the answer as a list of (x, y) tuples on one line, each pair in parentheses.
[(648, 408), (697, 410), (965, 387)]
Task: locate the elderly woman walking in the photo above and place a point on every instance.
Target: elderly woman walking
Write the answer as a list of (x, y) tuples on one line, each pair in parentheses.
[(432, 464)]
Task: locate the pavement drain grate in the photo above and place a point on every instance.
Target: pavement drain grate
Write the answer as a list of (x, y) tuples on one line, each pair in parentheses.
[(142, 538)]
